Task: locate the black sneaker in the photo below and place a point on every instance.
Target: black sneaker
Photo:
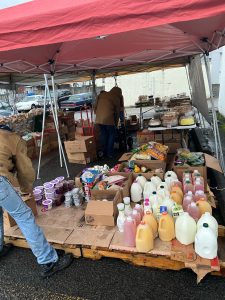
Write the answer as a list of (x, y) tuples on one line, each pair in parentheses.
[(6, 249), (51, 268)]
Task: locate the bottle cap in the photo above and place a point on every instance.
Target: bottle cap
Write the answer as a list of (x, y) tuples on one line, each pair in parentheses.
[(190, 193), (149, 180), (164, 213), (142, 223), (161, 187), (148, 212), (154, 193), (205, 225), (169, 175)]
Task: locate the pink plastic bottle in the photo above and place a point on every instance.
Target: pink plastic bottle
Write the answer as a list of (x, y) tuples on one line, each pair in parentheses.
[(176, 183), (188, 187), (195, 174), (136, 216), (129, 234), (187, 200), (198, 185), (199, 195), (187, 176), (138, 207), (193, 211)]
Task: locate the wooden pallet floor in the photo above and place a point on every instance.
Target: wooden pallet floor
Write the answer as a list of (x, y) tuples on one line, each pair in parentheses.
[(66, 230)]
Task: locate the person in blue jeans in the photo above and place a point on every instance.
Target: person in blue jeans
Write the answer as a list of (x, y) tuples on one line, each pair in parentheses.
[(107, 110), (16, 170)]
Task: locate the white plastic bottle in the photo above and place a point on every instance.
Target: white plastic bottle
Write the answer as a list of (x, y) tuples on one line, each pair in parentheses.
[(210, 220), (206, 242), (171, 173), (162, 193), (141, 180), (149, 188), (169, 204), (156, 180), (128, 209), (136, 192), (121, 217), (185, 229)]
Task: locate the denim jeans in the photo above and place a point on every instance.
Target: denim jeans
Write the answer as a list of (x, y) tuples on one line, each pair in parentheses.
[(11, 202), (108, 133)]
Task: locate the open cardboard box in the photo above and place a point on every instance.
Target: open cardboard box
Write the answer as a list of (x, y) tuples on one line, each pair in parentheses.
[(125, 191), (100, 212), (148, 165), (210, 162)]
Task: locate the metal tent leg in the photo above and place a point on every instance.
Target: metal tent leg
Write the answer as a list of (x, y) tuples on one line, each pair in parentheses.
[(55, 121), (219, 148), (42, 135), (56, 114)]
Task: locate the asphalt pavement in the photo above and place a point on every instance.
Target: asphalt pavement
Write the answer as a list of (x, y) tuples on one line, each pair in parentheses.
[(103, 279)]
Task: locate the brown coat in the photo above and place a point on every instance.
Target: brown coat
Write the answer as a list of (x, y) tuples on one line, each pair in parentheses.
[(108, 106), (14, 162)]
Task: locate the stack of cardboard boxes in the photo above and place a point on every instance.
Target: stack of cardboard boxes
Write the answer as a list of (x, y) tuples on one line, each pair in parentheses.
[(171, 138), (82, 150)]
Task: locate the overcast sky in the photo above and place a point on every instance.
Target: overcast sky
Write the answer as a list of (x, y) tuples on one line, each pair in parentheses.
[(9, 3)]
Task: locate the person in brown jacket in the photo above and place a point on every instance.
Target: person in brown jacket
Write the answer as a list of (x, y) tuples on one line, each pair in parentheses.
[(16, 169), (107, 112)]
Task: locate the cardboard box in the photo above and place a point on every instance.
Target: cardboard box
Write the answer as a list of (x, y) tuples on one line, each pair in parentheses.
[(151, 164), (180, 170), (45, 149), (30, 202), (103, 213), (144, 137), (81, 144), (126, 188), (37, 138), (148, 165)]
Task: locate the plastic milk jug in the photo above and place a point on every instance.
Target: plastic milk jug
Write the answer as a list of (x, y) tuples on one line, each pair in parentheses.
[(178, 190), (177, 183), (156, 180), (166, 227), (186, 202), (171, 173), (210, 220), (198, 185), (164, 184), (139, 208), (185, 229), (121, 217), (129, 233), (149, 188), (162, 192), (136, 216), (176, 197), (144, 238), (188, 186), (169, 204), (169, 180), (151, 221), (154, 199), (128, 209), (199, 195), (206, 242), (193, 211), (204, 206), (136, 192), (142, 180)]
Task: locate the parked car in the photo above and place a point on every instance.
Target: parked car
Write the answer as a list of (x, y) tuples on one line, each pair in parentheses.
[(5, 109), (30, 102), (75, 101)]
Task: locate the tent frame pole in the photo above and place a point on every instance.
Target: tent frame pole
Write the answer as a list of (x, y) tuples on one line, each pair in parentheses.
[(61, 151), (42, 135), (56, 115), (219, 149), (94, 93)]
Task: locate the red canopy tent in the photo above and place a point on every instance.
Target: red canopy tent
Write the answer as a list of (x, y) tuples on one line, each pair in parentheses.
[(42, 36), (96, 34)]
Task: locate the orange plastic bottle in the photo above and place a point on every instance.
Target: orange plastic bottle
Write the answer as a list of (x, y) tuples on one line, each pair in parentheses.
[(176, 197), (144, 238), (151, 221), (178, 190), (166, 227), (204, 206)]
